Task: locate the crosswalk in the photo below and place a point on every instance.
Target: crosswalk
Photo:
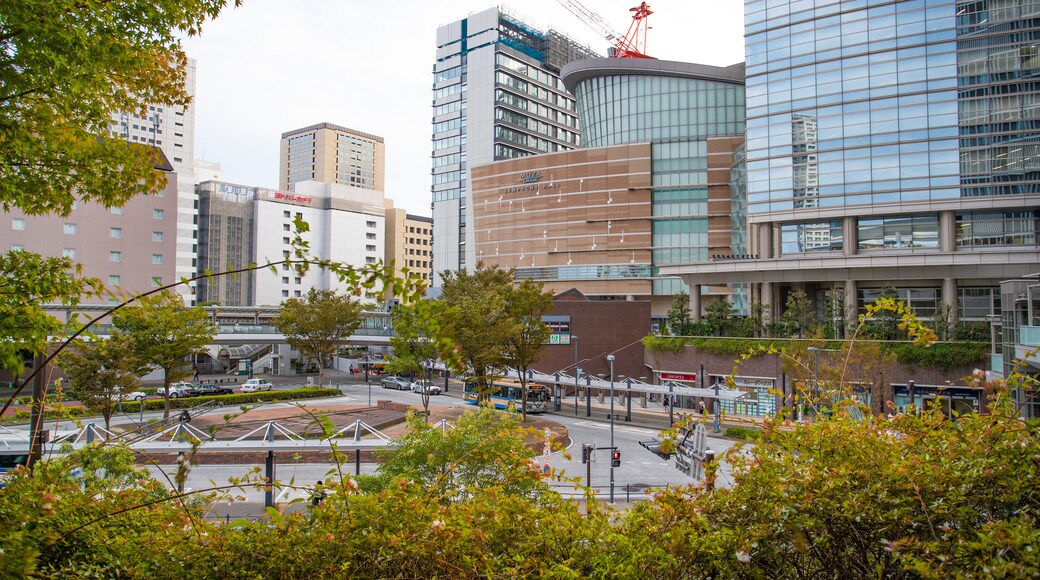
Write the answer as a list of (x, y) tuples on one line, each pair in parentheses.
[(625, 428)]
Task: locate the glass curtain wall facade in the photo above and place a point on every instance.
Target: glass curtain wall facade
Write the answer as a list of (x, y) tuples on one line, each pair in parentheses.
[(879, 128), (497, 94), (678, 108)]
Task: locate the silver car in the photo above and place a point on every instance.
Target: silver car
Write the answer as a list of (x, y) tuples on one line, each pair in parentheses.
[(399, 383)]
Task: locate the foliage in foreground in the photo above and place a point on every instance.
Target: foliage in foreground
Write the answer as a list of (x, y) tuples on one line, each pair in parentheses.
[(905, 496)]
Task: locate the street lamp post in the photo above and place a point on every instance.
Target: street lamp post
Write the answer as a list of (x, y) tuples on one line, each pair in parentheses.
[(577, 375), (610, 359)]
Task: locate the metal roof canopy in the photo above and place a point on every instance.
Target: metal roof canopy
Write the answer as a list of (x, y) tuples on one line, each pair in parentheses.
[(668, 388)]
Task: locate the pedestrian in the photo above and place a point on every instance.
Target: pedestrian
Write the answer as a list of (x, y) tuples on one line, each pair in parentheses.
[(704, 410), (195, 377), (319, 494)]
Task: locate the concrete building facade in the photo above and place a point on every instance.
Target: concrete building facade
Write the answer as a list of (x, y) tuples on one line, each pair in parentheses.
[(243, 224), (331, 154), (409, 241), (497, 94), (130, 249), (889, 144), (172, 129)]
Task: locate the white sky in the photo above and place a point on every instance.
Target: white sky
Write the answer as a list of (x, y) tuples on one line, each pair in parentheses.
[(276, 65)]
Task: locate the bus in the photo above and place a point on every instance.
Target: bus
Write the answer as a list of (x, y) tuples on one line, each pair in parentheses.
[(508, 392)]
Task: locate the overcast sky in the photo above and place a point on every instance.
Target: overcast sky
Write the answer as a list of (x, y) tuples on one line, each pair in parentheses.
[(276, 65)]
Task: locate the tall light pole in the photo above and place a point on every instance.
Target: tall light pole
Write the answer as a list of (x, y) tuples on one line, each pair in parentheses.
[(610, 359), (577, 372)]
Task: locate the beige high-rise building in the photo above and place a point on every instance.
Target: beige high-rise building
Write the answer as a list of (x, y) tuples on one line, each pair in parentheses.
[(331, 154), (409, 240)]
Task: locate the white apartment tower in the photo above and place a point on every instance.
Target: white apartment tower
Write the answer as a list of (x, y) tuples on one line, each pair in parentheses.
[(497, 94), (172, 129)]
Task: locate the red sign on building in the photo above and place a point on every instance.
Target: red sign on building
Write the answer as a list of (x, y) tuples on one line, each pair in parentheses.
[(679, 376)]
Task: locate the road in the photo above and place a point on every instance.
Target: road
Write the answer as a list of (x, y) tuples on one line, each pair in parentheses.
[(639, 469)]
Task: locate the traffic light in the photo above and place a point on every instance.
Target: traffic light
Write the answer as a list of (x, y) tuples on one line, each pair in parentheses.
[(615, 458), (586, 453)]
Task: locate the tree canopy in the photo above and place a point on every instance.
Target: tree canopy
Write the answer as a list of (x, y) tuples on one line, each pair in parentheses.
[(319, 324), (420, 339), (100, 371), (162, 332), (66, 67), (527, 303)]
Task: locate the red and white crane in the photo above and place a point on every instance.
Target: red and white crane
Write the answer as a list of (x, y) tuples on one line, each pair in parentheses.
[(630, 45)]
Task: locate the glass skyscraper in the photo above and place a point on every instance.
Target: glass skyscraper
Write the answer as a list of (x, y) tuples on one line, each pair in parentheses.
[(890, 143)]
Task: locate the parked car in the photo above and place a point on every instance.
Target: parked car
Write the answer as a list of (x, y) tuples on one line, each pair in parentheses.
[(256, 385), (208, 390), (399, 383), (422, 386), (132, 396), (177, 390)]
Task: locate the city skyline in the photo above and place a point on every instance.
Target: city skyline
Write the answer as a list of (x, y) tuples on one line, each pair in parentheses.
[(243, 105)]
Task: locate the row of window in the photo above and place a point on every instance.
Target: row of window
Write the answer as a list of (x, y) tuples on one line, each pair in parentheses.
[(973, 229)]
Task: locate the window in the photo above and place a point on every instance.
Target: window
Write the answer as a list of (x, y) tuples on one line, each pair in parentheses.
[(370, 236), (296, 293), (370, 224), (17, 247), (285, 279), (285, 240), (285, 293), (18, 224), (370, 260), (297, 280), (68, 229), (811, 237), (285, 227), (116, 210), (113, 280), (156, 281), (115, 233), (899, 232), (157, 259), (68, 253), (370, 248), (158, 236), (286, 214), (115, 256), (158, 214)]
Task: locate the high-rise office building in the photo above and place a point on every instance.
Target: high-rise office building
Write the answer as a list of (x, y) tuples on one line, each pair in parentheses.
[(331, 154), (497, 94), (889, 143), (240, 225), (650, 186), (408, 244), (130, 249), (172, 129)]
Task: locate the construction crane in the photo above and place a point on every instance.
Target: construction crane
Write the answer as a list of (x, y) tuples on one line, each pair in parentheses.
[(629, 45)]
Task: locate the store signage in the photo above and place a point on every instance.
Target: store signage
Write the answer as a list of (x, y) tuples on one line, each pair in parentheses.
[(530, 176), (678, 376), (292, 197)]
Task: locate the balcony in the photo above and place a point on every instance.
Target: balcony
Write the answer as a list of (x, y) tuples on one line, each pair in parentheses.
[(1029, 336)]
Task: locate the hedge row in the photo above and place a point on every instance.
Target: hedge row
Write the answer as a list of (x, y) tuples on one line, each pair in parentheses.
[(943, 355), (157, 404)]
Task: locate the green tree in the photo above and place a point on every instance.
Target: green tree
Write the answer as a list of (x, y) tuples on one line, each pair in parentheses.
[(163, 333), (99, 372), (799, 310), (67, 67), (944, 319), (527, 303), (420, 339), (482, 322), (319, 324), (482, 449), (758, 315), (27, 281), (717, 313), (680, 318)]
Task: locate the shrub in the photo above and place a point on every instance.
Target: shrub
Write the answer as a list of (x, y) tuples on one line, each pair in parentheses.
[(745, 433)]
